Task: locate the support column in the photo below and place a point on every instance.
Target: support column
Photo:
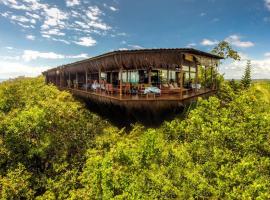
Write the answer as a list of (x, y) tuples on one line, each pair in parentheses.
[(196, 77), (99, 75), (205, 71), (168, 75), (77, 80), (149, 76), (86, 80), (60, 78), (69, 81), (181, 77), (120, 82), (212, 83), (111, 76), (189, 74), (181, 82)]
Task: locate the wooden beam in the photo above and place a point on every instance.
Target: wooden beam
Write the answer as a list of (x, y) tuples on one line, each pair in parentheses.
[(69, 81)]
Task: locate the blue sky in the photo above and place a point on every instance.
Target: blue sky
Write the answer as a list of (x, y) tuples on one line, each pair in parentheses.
[(39, 34)]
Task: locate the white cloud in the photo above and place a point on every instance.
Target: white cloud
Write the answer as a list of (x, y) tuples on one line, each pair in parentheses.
[(70, 3), (267, 4), (93, 13), (236, 41), (9, 48), (267, 54), (86, 41), (59, 40), (83, 55), (207, 42), (113, 8), (134, 46), (30, 37), (202, 14), (29, 55), (15, 69), (190, 45), (54, 31), (235, 69), (122, 49)]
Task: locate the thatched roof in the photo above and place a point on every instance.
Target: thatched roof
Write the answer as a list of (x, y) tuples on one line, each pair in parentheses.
[(138, 59)]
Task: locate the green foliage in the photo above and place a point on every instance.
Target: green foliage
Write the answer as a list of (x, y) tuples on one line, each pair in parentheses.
[(53, 148), (42, 128), (246, 79), (225, 50), (221, 151), (16, 184)]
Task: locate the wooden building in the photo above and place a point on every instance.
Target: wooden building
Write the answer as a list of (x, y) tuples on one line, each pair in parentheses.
[(140, 79)]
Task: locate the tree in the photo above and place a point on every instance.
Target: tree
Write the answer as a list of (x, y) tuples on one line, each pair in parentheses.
[(225, 50), (246, 79)]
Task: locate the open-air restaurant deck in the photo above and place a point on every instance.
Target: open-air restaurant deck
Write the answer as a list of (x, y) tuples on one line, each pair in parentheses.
[(140, 78)]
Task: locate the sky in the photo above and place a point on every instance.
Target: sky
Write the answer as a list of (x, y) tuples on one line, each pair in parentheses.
[(36, 35)]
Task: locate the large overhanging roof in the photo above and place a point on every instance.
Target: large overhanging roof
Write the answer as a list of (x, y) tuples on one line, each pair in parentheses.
[(139, 59)]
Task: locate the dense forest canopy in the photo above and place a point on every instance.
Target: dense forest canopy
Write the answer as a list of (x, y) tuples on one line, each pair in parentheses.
[(52, 147)]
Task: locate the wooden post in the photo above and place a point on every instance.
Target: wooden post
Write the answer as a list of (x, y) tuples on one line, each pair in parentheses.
[(121, 77), (205, 78), (168, 75), (196, 77), (212, 83), (111, 77), (189, 74), (60, 78), (149, 76), (181, 82), (77, 80), (181, 77), (69, 81), (99, 75), (86, 80)]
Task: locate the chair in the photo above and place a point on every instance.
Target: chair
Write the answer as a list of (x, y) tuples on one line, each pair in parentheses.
[(109, 88)]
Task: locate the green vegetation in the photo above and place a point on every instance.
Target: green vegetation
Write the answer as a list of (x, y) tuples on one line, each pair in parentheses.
[(51, 147), (246, 79)]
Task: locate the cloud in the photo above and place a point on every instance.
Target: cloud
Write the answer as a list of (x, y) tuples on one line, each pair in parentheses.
[(190, 45), (71, 3), (30, 37), (15, 69), (267, 54), (29, 55), (234, 70), (65, 24), (123, 49), (207, 42), (113, 8), (134, 46), (202, 14), (267, 4), (236, 41), (86, 41)]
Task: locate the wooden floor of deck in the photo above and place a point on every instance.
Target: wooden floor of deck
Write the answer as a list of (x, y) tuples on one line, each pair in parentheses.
[(137, 97)]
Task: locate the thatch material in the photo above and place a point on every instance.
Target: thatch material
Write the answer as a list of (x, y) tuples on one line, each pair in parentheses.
[(138, 59)]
